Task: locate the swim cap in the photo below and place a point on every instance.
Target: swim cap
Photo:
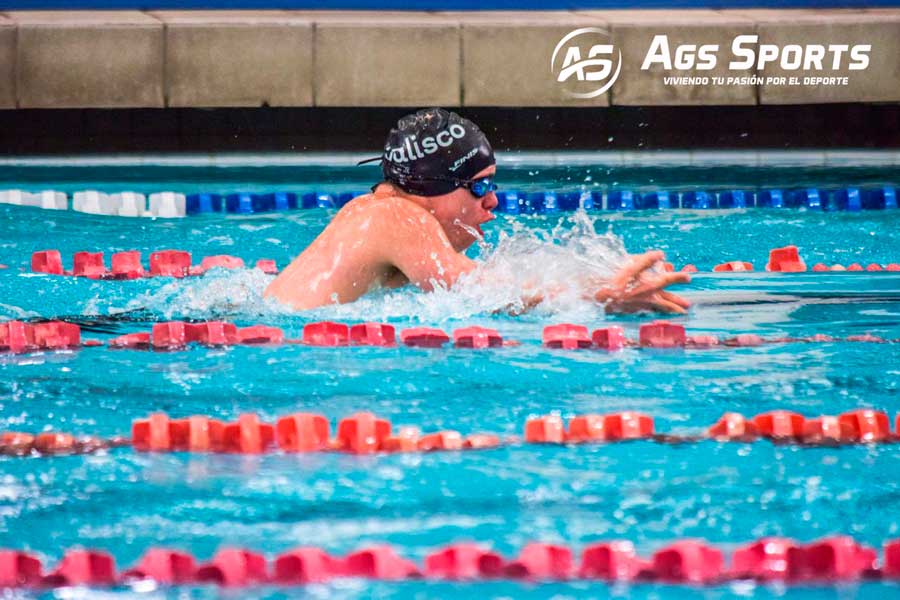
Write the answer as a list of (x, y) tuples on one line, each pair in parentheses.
[(431, 150)]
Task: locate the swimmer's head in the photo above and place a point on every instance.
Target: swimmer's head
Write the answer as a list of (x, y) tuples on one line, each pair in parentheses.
[(433, 152), (439, 160)]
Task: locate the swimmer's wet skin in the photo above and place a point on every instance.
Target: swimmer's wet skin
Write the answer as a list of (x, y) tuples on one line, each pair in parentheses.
[(414, 227)]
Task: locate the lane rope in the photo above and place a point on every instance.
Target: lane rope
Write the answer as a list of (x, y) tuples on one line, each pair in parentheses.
[(169, 204), (683, 562), (20, 337), (178, 263), (366, 433)]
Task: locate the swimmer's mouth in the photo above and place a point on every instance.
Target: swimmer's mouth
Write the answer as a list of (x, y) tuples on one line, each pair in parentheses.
[(490, 218)]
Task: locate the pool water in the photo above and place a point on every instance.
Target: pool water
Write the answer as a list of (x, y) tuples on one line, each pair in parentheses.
[(649, 493)]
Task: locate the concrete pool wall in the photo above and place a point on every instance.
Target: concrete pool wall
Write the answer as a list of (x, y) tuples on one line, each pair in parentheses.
[(158, 59)]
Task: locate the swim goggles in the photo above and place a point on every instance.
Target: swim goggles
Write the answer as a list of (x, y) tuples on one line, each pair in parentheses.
[(478, 187)]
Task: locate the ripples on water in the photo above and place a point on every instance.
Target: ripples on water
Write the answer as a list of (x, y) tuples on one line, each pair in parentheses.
[(645, 492)]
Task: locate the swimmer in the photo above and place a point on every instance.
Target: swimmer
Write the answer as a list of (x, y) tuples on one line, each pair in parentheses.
[(414, 226)]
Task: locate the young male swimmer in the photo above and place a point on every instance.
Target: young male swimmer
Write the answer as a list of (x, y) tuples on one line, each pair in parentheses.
[(437, 191)]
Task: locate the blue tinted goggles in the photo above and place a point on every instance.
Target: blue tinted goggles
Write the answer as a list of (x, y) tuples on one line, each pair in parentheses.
[(479, 187)]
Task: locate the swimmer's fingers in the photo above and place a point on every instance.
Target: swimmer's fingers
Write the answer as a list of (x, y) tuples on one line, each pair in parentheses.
[(638, 264), (655, 303), (658, 283), (676, 299), (668, 306)]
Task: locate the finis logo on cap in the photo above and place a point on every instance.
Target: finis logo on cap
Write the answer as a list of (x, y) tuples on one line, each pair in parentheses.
[(414, 149), (586, 55)]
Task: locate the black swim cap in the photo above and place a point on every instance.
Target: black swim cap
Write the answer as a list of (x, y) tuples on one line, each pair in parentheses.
[(431, 150)]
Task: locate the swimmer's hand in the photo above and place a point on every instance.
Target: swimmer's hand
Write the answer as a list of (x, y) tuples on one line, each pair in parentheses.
[(638, 287)]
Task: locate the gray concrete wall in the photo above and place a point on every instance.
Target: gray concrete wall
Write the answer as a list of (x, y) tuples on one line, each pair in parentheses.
[(125, 59)]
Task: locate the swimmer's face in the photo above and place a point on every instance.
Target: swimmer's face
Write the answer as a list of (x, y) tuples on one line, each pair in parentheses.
[(460, 210)]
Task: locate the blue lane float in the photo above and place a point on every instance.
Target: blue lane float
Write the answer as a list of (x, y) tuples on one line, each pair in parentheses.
[(736, 199), (809, 198), (770, 199), (203, 203), (698, 199), (512, 202), (660, 200), (620, 200)]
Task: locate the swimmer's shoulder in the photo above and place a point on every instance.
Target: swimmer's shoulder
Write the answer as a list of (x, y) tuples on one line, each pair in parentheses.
[(385, 207)]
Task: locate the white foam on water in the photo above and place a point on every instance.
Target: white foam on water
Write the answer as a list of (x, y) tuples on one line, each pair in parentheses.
[(562, 264), (219, 293)]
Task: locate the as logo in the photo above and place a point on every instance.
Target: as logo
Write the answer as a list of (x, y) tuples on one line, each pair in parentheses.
[(586, 60)]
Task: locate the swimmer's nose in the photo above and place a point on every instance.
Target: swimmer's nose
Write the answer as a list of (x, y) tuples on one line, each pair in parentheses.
[(490, 202)]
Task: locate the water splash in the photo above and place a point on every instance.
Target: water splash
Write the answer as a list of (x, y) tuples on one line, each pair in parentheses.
[(219, 293), (556, 263)]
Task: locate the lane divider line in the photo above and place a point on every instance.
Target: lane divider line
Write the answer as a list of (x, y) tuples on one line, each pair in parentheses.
[(169, 204), (366, 433), (828, 560), (19, 337)]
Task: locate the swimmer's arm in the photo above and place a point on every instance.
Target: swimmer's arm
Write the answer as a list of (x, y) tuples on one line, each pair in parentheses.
[(636, 287), (425, 255)]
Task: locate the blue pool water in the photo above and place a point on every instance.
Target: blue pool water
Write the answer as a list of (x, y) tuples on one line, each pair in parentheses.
[(649, 493)]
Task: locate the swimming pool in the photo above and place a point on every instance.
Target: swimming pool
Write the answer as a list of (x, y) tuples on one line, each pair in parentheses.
[(646, 492)]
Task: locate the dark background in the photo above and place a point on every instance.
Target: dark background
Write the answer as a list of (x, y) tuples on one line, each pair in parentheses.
[(364, 129)]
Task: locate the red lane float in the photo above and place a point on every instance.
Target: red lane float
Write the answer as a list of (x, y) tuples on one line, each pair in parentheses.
[(305, 565), (612, 561), (836, 558), (379, 562), (170, 263), (302, 432), (609, 338), (589, 428), (47, 261), (662, 334), (424, 337), (691, 562), (169, 567), (364, 433), (178, 263), (734, 265), (175, 335), (131, 340), (19, 569), (260, 334), (234, 567), (127, 265), (326, 333), (221, 261), (18, 337), (477, 337), (14, 443), (566, 336), (779, 424), (785, 260), (545, 430), (405, 440), (373, 334), (463, 561), (83, 567), (542, 562), (688, 561)]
